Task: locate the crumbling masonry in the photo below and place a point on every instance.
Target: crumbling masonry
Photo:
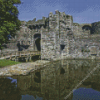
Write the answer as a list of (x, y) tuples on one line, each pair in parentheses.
[(58, 36)]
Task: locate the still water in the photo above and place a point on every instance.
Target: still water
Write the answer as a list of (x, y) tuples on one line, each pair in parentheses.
[(55, 82)]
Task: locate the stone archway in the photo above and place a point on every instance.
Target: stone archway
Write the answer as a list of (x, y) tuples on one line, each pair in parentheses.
[(37, 42), (37, 35), (86, 29)]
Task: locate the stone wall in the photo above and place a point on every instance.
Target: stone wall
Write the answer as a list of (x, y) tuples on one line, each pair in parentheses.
[(96, 28), (48, 46), (59, 36), (83, 46)]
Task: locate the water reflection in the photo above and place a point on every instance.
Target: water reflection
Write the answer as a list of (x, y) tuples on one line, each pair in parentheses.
[(86, 94), (8, 90), (55, 81), (62, 71), (30, 97), (37, 77), (13, 80), (90, 88)]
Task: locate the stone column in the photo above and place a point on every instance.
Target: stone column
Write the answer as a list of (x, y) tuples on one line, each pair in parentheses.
[(30, 57), (32, 39), (67, 47), (41, 44), (34, 46), (55, 43)]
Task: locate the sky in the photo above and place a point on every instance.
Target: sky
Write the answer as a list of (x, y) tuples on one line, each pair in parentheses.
[(83, 11)]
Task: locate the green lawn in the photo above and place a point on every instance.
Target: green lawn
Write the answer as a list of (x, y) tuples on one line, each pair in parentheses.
[(5, 62)]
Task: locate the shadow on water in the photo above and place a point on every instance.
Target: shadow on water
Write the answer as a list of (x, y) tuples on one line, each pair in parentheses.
[(37, 77), (62, 71)]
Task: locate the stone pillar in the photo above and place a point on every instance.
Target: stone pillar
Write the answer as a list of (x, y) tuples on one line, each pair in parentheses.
[(34, 46), (55, 43), (41, 45), (32, 39), (67, 47)]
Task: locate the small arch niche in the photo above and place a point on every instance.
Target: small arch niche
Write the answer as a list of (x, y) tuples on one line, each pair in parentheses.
[(86, 28)]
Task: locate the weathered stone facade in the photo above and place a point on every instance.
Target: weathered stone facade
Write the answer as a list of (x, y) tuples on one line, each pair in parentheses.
[(58, 36), (66, 38)]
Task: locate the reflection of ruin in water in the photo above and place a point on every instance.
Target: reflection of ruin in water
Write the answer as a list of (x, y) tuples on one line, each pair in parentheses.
[(54, 82)]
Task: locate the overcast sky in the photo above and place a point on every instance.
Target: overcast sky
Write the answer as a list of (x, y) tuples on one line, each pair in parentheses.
[(83, 11)]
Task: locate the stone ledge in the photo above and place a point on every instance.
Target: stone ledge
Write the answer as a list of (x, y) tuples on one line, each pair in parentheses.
[(22, 69), (25, 68)]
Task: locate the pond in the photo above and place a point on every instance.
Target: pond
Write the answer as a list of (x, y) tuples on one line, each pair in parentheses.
[(65, 79)]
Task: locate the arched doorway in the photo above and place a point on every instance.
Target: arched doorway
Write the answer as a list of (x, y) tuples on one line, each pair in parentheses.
[(37, 42), (86, 29)]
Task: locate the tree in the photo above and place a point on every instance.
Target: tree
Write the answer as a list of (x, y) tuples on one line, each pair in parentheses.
[(9, 22)]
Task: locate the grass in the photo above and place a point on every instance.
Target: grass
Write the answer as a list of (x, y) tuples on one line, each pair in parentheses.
[(5, 62)]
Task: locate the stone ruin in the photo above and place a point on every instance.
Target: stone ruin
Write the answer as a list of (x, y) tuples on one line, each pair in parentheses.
[(57, 35)]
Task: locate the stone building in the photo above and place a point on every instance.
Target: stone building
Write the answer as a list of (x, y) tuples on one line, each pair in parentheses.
[(57, 35)]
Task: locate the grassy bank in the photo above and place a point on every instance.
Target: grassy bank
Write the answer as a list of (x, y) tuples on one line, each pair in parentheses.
[(5, 62)]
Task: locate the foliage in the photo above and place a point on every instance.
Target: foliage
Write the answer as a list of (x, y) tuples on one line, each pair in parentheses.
[(9, 22)]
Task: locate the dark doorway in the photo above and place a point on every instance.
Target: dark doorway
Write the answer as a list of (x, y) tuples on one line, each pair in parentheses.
[(62, 47), (86, 28), (37, 42), (37, 36)]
